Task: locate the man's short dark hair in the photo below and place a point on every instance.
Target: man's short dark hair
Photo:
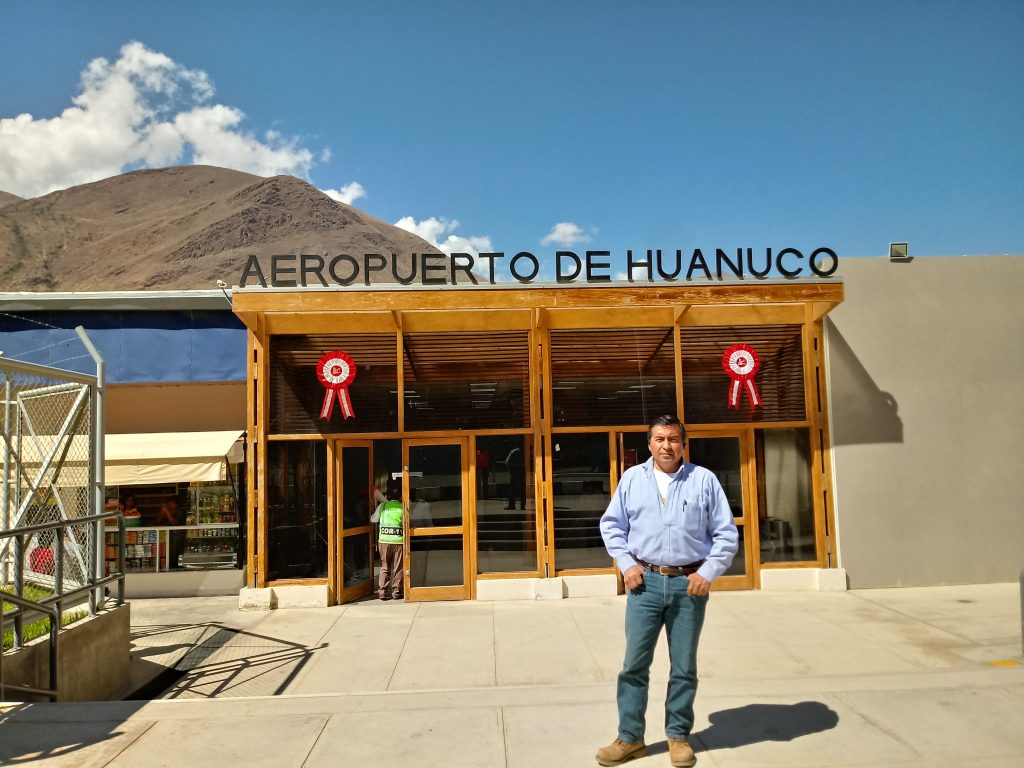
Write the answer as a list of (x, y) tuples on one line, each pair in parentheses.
[(667, 420)]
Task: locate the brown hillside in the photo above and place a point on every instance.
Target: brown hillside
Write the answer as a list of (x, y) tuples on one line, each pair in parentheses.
[(178, 228), (6, 198)]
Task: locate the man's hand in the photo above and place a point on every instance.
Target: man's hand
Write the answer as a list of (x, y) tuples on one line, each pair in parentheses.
[(634, 577), (698, 587)]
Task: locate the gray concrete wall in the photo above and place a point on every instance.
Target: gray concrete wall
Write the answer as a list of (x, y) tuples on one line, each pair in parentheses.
[(926, 375), (95, 656)]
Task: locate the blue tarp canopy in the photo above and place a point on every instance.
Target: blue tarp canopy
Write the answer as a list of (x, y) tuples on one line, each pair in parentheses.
[(139, 347)]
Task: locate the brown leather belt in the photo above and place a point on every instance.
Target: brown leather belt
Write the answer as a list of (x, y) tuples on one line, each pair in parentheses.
[(670, 570)]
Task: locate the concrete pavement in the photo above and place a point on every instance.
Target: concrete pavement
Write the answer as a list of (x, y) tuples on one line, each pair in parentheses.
[(901, 677)]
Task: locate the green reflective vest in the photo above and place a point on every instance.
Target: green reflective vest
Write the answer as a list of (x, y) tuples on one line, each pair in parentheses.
[(390, 523)]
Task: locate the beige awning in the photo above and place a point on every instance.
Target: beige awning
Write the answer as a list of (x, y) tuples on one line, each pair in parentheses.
[(170, 457)]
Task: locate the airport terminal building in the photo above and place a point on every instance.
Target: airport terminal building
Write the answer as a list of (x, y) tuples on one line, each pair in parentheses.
[(862, 423)]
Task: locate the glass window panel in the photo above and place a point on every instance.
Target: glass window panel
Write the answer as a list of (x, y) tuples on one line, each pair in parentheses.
[(722, 456), (436, 561), (787, 507), (506, 526), (297, 396), (356, 502), (779, 380), (297, 509), (738, 566), (471, 380), (435, 481), (612, 375), (356, 562), (634, 450), (581, 496)]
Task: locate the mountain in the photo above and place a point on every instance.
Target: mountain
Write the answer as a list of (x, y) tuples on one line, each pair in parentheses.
[(6, 198), (179, 228)]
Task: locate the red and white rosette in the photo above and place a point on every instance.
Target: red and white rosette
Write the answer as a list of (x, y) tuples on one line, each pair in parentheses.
[(336, 371), (742, 363)]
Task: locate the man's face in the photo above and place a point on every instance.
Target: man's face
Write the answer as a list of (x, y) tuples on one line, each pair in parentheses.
[(667, 447)]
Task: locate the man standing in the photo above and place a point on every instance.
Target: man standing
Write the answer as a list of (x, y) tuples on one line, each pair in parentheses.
[(671, 533), (390, 544), (516, 478)]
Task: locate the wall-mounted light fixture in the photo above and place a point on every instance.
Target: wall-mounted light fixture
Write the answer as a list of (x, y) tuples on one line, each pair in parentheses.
[(900, 252)]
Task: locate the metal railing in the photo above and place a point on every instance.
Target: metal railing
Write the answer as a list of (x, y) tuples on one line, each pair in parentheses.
[(53, 607)]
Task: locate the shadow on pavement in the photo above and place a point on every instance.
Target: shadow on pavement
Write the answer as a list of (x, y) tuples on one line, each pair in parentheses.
[(229, 661), (29, 736), (755, 723)]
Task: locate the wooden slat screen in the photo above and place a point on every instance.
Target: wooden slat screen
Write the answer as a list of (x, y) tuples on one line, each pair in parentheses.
[(467, 380), (780, 380), (612, 375), (296, 395)]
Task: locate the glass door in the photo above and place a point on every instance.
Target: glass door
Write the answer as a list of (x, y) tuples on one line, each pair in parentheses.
[(355, 496), (435, 473), (633, 449), (729, 456)]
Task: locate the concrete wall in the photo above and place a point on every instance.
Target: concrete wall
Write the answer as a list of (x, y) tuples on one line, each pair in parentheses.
[(926, 376), (184, 583), (175, 407), (95, 655)]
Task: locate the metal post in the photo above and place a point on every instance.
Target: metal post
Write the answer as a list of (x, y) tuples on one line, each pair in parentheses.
[(19, 586), (92, 576), (54, 653), (120, 559), (97, 463), (58, 575), (5, 508)]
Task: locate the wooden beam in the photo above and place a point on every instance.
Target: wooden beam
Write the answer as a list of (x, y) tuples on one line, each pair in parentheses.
[(248, 319), (611, 317), (297, 323), (821, 308), (744, 314), (454, 321), (514, 296), (666, 337)]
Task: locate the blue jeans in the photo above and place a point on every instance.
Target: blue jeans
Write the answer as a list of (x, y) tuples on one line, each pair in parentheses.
[(660, 601)]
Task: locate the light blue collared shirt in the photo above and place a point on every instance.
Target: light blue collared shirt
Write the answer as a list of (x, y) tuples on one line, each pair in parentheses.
[(693, 523)]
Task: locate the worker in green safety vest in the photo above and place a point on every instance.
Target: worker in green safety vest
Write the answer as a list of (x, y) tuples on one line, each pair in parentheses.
[(390, 543)]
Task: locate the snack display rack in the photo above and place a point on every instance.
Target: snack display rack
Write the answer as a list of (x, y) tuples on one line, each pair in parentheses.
[(209, 538)]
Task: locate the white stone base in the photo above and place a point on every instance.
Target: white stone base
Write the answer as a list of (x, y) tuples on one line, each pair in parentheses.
[(292, 596), (803, 579), (255, 599), (599, 585), (504, 589), (547, 589), (301, 596)]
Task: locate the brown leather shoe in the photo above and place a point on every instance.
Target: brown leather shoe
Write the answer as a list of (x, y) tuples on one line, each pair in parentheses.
[(619, 752), (681, 753)]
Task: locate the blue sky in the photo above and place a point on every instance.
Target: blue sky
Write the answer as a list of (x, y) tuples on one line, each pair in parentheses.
[(645, 125)]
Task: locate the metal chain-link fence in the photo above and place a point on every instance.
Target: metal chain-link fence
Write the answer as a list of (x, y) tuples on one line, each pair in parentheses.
[(47, 446)]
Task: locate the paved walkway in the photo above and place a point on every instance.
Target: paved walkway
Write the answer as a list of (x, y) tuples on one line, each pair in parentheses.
[(901, 677)]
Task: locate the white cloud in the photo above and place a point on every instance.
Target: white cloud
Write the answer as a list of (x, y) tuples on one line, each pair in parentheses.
[(432, 230), (565, 233), (639, 274), (347, 194), (143, 110)]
